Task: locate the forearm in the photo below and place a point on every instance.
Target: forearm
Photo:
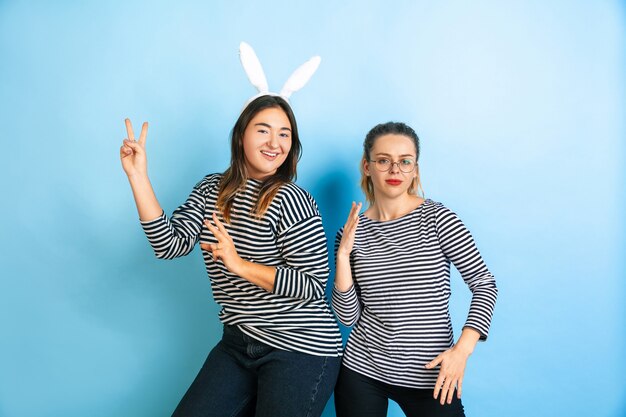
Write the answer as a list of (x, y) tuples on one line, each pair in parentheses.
[(343, 272), (260, 275), (147, 204), (344, 300)]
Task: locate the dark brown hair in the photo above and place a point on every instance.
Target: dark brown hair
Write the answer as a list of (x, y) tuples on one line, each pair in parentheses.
[(235, 176)]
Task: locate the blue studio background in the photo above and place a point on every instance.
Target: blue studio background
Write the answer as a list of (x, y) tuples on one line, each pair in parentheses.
[(520, 108)]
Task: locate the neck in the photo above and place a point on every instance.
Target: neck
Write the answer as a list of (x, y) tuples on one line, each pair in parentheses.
[(390, 209)]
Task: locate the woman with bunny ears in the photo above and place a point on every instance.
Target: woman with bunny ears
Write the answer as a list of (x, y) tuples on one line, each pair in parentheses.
[(265, 253), (393, 281)]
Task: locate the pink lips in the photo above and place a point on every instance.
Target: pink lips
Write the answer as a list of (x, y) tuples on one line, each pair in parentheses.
[(393, 182)]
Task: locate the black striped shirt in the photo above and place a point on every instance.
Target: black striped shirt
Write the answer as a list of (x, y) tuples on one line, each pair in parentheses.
[(295, 316), (399, 301)]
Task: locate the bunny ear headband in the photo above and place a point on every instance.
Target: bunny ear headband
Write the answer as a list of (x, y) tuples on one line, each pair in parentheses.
[(255, 73)]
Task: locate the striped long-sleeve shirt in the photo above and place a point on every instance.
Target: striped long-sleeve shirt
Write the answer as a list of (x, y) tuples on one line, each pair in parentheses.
[(399, 300), (295, 315)]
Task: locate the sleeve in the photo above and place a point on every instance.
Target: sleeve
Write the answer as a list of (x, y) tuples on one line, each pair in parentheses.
[(345, 304), (302, 243), (171, 238), (458, 246)]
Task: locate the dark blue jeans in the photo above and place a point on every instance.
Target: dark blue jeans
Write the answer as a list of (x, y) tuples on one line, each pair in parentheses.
[(357, 395), (244, 377)]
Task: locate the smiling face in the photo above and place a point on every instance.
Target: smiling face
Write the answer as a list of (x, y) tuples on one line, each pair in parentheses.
[(266, 142), (391, 183)]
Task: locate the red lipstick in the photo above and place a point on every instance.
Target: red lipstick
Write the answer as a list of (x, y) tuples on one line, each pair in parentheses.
[(393, 182)]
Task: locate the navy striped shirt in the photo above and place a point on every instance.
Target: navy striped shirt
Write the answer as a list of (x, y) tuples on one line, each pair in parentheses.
[(399, 300), (295, 316)]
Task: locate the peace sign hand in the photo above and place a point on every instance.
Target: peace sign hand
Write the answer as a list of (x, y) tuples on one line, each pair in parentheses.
[(133, 153), (224, 249)]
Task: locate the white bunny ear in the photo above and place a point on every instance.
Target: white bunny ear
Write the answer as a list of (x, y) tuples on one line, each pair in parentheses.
[(253, 67), (300, 76)]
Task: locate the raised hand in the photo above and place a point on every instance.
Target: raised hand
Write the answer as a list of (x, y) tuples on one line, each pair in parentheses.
[(133, 153), (349, 230)]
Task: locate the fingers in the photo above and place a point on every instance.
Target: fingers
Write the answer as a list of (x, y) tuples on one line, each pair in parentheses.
[(354, 211), (213, 248), (218, 230), (445, 386), (130, 144), (131, 134), (438, 385), (214, 251), (215, 230), (450, 378), (220, 226), (353, 217), (434, 362), (125, 151), (448, 391), (144, 134), (440, 378), (129, 130)]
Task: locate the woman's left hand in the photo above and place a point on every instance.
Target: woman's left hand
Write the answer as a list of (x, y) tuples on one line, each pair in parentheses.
[(224, 249), (451, 373)]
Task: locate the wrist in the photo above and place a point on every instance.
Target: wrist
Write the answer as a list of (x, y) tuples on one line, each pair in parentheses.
[(463, 349), (467, 341), (138, 176), (342, 256), (239, 267)]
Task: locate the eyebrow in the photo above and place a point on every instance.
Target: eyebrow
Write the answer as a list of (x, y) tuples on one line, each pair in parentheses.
[(401, 156), (269, 126)]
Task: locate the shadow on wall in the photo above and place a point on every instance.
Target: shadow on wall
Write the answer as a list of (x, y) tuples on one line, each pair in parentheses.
[(334, 192)]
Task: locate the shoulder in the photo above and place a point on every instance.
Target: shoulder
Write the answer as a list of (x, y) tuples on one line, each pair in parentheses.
[(209, 182), (294, 205), (446, 220), (436, 209), (293, 197)]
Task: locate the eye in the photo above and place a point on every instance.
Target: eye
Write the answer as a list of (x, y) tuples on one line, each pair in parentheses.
[(263, 131), (384, 161), (285, 135), (406, 162)]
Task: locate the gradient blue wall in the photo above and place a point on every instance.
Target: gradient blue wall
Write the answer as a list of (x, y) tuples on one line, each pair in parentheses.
[(520, 107)]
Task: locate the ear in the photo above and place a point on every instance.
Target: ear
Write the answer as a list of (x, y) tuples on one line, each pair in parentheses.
[(253, 67), (300, 76), (366, 166)]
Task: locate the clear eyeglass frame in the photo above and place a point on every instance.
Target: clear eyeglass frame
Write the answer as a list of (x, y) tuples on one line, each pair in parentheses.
[(405, 165)]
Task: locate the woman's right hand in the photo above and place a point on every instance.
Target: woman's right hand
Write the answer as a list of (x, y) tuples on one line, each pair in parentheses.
[(133, 153), (349, 230)]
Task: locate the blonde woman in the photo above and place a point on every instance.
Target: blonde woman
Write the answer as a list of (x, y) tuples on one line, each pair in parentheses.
[(393, 284)]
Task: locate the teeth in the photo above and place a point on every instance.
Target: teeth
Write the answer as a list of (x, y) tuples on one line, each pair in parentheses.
[(269, 154)]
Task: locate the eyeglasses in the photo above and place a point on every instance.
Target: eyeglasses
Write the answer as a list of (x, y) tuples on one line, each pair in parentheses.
[(405, 165)]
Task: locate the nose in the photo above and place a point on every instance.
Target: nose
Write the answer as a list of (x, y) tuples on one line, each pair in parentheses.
[(395, 167), (273, 140)]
